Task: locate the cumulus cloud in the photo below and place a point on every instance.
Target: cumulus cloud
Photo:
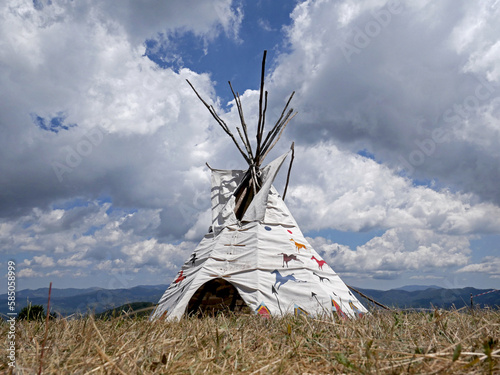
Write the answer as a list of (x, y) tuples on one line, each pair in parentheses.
[(28, 272), (135, 137), (489, 265), (336, 189), (43, 261), (426, 277), (74, 260), (111, 241), (396, 251), (416, 84)]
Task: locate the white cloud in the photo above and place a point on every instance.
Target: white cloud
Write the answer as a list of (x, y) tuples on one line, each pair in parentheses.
[(334, 189), (489, 265), (152, 253), (414, 83), (110, 265), (73, 261), (396, 251), (43, 260), (138, 127), (426, 277), (91, 238), (28, 273)]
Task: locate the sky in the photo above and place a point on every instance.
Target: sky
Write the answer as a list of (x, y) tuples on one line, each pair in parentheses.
[(396, 176)]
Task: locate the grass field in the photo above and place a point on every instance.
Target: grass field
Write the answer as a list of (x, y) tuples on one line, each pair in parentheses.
[(442, 342)]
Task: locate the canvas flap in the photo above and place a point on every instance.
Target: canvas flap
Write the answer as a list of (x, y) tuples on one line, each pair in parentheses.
[(224, 183), (257, 209)]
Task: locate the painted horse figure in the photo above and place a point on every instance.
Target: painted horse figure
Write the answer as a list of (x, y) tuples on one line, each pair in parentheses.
[(321, 278), (298, 246), (280, 279), (321, 262), (193, 259), (180, 278), (288, 258)]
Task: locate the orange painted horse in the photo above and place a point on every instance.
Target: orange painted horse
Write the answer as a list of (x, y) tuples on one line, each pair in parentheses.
[(298, 245)]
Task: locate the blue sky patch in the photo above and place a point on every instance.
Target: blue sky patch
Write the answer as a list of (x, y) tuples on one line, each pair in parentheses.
[(367, 154), (484, 246), (71, 203), (91, 231), (229, 59), (351, 239), (54, 124), (426, 182), (38, 4)]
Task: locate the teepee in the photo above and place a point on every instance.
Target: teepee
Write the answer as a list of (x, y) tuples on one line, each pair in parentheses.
[(254, 257)]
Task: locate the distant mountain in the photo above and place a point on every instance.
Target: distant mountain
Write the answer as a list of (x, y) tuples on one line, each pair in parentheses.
[(432, 297), (414, 288), (55, 293), (98, 300)]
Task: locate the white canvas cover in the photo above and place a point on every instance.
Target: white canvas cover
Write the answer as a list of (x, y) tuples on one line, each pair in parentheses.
[(265, 257)]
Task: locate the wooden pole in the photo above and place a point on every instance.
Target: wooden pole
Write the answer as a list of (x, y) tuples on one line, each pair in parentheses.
[(246, 141), (220, 122), (289, 169), (260, 125), (277, 139), (273, 130), (264, 115), (369, 299)]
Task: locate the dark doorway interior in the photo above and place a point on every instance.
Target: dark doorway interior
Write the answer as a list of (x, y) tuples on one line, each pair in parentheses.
[(216, 296)]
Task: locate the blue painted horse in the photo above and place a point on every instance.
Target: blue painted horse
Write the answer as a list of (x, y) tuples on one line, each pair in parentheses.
[(280, 279)]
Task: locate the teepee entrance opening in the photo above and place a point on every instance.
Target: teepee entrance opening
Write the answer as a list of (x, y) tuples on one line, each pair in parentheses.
[(216, 296)]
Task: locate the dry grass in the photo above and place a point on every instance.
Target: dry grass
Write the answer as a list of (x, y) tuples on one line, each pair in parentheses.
[(446, 342)]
